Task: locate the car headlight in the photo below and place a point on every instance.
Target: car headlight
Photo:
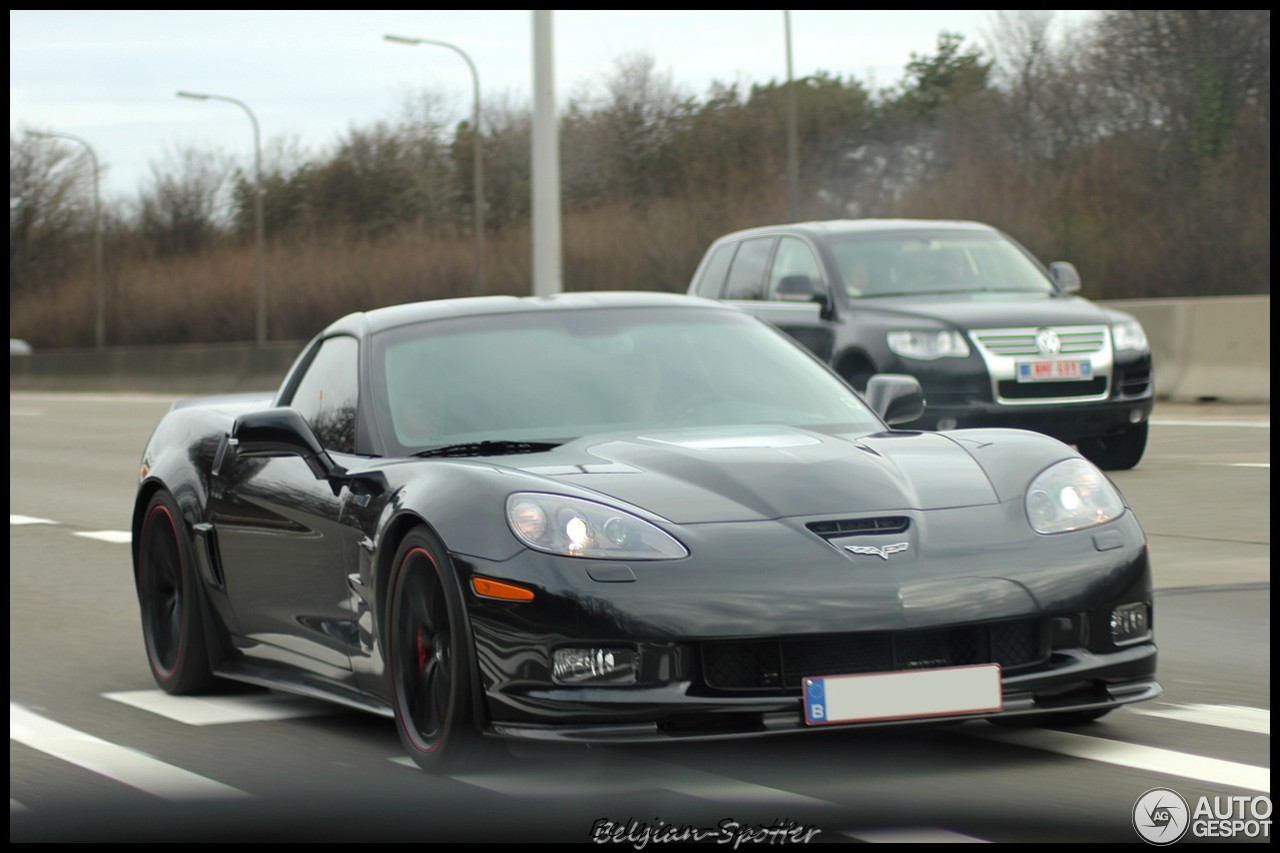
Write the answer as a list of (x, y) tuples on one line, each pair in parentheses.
[(928, 345), (1129, 337), (1071, 495), (573, 527)]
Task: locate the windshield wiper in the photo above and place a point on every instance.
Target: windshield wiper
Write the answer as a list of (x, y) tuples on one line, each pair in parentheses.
[(489, 448)]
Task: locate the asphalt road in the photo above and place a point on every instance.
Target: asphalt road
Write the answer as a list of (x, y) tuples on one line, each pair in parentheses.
[(95, 753)]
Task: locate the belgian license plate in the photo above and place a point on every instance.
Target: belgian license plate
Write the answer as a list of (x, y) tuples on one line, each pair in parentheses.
[(907, 695), (1062, 370)]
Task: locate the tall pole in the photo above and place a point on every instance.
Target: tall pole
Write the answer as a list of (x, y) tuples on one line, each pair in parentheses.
[(99, 285), (477, 192), (547, 270), (259, 231), (793, 143)]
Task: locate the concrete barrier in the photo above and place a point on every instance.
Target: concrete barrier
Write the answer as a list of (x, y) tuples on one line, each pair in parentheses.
[(1213, 348)]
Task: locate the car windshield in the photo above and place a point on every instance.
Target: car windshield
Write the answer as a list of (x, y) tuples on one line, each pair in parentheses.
[(559, 375), (919, 263)]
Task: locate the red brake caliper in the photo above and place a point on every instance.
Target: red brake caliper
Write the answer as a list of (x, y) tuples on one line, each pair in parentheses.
[(424, 650)]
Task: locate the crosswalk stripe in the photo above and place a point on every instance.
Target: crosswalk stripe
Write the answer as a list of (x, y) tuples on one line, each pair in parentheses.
[(1145, 758), (220, 710), (1238, 717), (128, 766)]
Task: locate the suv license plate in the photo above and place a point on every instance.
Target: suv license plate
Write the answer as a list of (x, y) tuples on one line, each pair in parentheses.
[(906, 695), (1054, 371)]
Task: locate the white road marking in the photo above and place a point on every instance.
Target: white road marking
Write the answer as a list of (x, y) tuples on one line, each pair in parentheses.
[(919, 835), (128, 766), (16, 807), (599, 780), (1238, 717), (1150, 759), (24, 413), (1245, 424), (221, 710), (117, 537), (1249, 465), (15, 520)]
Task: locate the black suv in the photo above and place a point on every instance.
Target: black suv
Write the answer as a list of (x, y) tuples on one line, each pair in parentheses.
[(995, 338)]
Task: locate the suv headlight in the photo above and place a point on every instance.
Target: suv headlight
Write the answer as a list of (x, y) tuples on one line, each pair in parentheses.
[(928, 345), (573, 527), (1128, 336), (1071, 495)]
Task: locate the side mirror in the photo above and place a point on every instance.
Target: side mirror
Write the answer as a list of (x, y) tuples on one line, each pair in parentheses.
[(896, 398), (801, 288), (1065, 276), (282, 432)]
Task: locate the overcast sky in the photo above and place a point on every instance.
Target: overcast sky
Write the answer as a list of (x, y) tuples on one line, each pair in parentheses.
[(111, 77)]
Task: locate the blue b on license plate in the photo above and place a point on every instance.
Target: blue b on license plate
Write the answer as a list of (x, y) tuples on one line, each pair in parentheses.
[(1060, 370), (907, 695)]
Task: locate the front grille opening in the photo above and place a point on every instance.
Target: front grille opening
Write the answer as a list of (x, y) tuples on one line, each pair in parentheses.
[(779, 665), (1013, 390), (859, 526)]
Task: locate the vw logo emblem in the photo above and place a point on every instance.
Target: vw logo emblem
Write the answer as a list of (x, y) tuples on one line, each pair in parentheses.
[(1048, 343)]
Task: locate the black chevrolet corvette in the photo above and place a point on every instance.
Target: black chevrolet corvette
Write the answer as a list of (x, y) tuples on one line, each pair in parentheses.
[(619, 517)]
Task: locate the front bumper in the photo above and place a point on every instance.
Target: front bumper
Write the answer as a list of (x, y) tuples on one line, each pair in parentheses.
[(1058, 590)]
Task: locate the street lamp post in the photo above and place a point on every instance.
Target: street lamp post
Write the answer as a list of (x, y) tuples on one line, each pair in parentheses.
[(259, 235), (478, 182), (99, 286)]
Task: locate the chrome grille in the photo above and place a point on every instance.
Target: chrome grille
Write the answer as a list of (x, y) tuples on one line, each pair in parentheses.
[(1003, 349), (1076, 340)]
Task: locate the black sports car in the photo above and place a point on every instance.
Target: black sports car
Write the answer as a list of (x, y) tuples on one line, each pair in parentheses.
[(624, 517)]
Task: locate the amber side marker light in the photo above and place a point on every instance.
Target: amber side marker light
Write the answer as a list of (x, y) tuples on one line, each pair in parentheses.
[(503, 591)]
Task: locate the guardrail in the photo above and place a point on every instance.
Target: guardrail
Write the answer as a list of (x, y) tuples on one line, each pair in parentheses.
[(1213, 348)]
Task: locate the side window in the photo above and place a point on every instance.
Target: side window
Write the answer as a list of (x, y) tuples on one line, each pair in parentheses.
[(746, 275), (795, 270), (713, 274), (326, 396)]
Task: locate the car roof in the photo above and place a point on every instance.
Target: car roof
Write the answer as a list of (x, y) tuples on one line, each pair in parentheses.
[(380, 319), (828, 227)]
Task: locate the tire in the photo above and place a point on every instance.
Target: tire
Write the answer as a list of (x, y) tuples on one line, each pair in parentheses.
[(430, 658), (169, 599), (1118, 452)]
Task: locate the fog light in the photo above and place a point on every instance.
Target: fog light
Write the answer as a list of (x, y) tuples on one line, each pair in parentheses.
[(1136, 416), (947, 423), (594, 666), (1130, 623)]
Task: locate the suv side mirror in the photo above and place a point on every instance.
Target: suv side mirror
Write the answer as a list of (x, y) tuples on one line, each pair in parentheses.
[(801, 288), (282, 432), (1065, 276), (895, 397)]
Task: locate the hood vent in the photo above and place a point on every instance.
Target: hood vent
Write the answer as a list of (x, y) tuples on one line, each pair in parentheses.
[(859, 526)]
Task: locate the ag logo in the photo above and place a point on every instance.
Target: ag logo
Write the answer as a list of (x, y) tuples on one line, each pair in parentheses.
[(1161, 816), (872, 551)]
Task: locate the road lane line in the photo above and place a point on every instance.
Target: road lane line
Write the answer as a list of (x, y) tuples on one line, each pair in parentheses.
[(1249, 465), (1180, 423), (116, 537), (1238, 717), (1165, 762), (16, 807), (917, 835), (128, 766), (16, 520), (221, 710)]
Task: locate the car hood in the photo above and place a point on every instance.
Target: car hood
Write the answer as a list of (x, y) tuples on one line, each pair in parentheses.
[(990, 310), (752, 473)]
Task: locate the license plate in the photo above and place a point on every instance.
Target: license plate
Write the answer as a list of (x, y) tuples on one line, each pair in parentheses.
[(907, 695), (1054, 371)]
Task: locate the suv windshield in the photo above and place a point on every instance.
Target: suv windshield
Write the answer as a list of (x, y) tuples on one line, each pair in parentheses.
[(559, 375), (934, 263)]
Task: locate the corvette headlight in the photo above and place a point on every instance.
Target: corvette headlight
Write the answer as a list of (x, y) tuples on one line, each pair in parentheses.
[(573, 527), (1071, 495), (1129, 337), (927, 346)]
